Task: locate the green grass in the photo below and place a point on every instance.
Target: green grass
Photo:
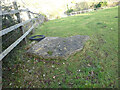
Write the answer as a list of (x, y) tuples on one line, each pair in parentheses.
[(96, 66)]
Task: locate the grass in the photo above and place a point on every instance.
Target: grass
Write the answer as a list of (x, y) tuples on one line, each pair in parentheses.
[(96, 66), (50, 52)]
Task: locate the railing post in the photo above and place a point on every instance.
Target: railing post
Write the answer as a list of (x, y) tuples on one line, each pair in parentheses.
[(0, 47), (29, 16), (19, 19)]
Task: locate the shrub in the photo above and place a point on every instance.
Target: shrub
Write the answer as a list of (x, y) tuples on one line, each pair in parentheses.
[(81, 6), (103, 4), (100, 4), (69, 10)]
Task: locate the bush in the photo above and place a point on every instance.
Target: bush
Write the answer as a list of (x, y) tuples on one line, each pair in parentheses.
[(100, 4), (69, 10), (103, 4), (81, 6)]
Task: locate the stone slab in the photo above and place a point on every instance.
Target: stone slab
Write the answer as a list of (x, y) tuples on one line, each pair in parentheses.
[(57, 47)]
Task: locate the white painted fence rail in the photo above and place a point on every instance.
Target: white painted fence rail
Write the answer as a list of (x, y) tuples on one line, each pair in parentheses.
[(40, 18), (13, 11), (7, 30), (5, 52)]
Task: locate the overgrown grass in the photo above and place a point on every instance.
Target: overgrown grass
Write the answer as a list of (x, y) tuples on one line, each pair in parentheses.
[(95, 66)]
